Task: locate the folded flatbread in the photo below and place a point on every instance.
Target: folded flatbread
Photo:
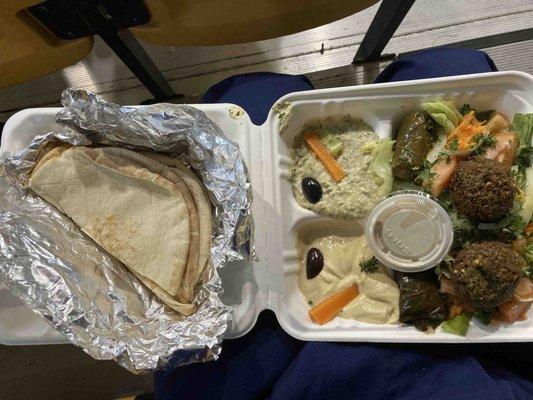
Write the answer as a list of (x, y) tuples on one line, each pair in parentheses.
[(203, 206), (189, 281), (138, 210)]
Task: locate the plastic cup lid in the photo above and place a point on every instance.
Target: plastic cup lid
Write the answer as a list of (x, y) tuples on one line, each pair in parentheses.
[(409, 231)]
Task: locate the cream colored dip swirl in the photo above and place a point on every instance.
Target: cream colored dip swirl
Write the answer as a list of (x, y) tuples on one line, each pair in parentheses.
[(378, 297)]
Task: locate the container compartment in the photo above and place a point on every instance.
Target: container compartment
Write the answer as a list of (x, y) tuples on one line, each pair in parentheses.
[(19, 325), (383, 107)]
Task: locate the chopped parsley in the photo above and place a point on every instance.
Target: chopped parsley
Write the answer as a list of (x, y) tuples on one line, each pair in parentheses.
[(484, 316), (523, 156), (465, 109), (481, 116), (425, 176), (370, 265), (481, 143), (514, 224), (519, 175), (454, 144), (464, 231)]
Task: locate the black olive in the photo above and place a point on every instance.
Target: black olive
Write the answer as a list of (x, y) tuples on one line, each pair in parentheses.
[(312, 190), (314, 263)]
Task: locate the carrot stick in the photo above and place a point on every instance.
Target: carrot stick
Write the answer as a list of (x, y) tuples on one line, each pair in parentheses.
[(326, 310), (325, 156)]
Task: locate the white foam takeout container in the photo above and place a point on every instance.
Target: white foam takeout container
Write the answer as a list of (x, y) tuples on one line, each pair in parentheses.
[(271, 283)]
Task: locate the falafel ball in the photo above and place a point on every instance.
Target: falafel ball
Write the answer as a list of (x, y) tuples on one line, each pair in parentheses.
[(486, 273), (482, 189)]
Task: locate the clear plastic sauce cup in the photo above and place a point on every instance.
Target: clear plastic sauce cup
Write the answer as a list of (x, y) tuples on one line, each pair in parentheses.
[(409, 231)]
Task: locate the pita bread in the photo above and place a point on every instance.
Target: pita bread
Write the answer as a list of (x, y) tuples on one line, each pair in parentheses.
[(126, 209), (203, 205), (182, 308), (190, 277), (54, 152)]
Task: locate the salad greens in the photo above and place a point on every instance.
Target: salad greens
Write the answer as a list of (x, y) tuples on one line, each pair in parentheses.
[(444, 267), (512, 224), (382, 153), (421, 303), (443, 113), (481, 116), (370, 265), (484, 316), (523, 126), (482, 143), (465, 231), (465, 109), (425, 174), (457, 325)]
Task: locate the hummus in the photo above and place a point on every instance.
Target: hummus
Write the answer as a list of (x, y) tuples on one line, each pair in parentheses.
[(356, 194), (378, 297)]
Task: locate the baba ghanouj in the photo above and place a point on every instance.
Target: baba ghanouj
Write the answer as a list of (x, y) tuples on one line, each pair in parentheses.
[(341, 168)]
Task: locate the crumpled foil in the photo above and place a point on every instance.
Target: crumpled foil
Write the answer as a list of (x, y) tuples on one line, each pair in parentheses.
[(85, 293)]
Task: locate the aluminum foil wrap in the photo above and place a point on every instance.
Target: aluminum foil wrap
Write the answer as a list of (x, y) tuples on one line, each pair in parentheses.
[(88, 295)]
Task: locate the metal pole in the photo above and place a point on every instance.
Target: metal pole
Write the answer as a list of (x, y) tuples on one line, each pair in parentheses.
[(110, 19), (387, 19), (126, 47)]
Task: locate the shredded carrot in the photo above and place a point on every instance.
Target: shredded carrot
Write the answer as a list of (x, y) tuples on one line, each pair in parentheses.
[(465, 132), (325, 156), (326, 310)]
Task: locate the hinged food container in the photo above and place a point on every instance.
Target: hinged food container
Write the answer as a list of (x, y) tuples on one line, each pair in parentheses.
[(271, 283)]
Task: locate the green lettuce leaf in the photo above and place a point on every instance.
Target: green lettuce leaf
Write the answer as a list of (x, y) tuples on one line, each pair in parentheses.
[(523, 126), (444, 113), (527, 206), (382, 153), (458, 325)]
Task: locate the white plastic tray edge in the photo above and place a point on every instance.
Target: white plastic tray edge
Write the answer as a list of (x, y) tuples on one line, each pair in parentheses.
[(342, 330), (23, 126)]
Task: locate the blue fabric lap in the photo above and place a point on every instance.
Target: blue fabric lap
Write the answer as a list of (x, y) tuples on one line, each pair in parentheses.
[(438, 62), (341, 371), (247, 369), (268, 363)]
